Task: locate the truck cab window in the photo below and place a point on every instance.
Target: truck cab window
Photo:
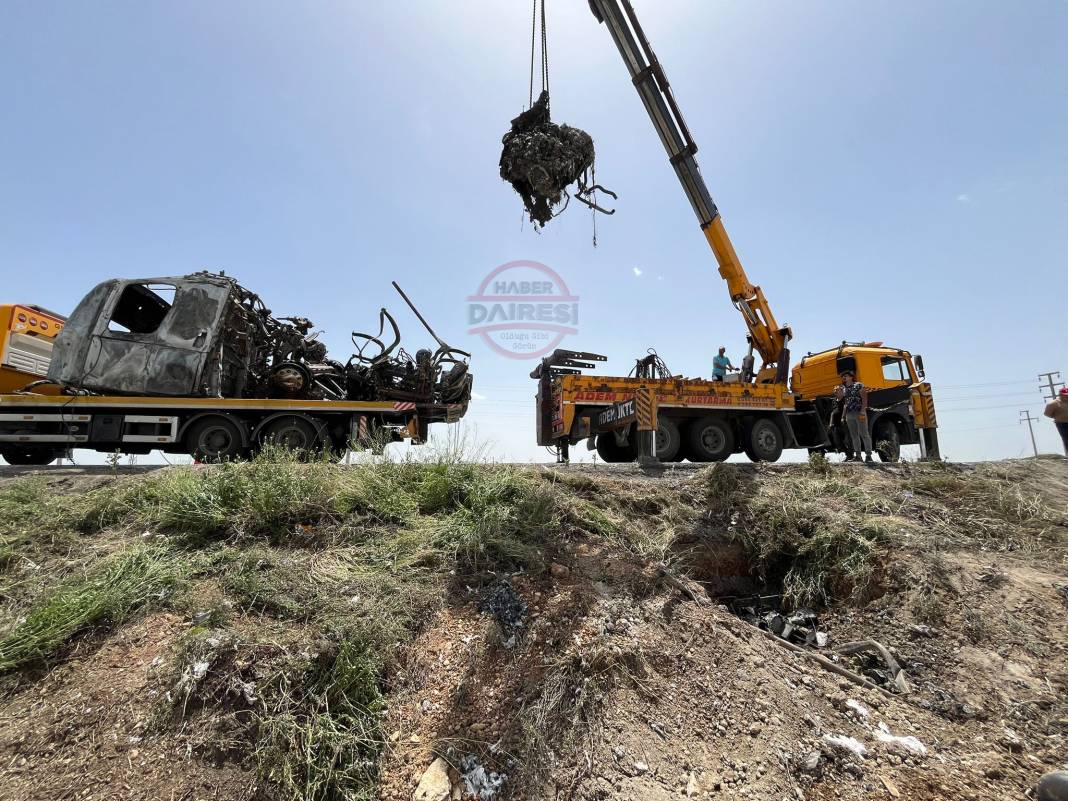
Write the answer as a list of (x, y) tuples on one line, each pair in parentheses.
[(141, 308), (894, 369)]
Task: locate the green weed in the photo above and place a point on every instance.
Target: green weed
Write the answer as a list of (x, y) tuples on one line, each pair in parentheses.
[(111, 590)]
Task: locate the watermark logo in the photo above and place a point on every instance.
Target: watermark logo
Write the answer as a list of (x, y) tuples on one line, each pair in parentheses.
[(523, 310)]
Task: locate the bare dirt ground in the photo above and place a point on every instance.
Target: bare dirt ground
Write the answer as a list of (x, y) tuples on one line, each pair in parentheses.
[(627, 680)]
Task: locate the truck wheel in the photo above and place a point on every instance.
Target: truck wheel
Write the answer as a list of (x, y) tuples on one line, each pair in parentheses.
[(763, 441), (214, 439), (668, 440), (297, 434), (888, 443), (29, 456), (612, 453), (709, 439)]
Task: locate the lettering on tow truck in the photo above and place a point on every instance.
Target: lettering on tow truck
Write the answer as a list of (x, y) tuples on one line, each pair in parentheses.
[(596, 396)]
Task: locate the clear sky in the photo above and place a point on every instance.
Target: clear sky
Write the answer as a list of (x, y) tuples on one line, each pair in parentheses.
[(891, 171)]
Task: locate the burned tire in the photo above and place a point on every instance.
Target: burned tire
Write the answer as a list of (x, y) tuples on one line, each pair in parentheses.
[(888, 443), (668, 440), (294, 433), (214, 439), (612, 453), (20, 456), (763, 440), (709, 439)]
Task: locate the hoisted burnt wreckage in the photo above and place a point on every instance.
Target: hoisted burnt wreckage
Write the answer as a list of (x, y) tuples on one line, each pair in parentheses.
[(206, 338), (541, 158)]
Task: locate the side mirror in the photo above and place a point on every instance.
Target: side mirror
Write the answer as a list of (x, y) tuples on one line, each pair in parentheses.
[(918, 361)]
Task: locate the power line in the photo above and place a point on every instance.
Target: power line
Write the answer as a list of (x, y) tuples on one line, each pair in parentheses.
[(984, 397), (985, 384), (976, 428), (981, 408)]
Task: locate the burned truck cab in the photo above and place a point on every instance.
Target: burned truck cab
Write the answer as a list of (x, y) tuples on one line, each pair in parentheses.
[(144, 337)]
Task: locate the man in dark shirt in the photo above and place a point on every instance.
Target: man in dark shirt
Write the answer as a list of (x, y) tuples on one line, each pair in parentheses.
[(854, 397)]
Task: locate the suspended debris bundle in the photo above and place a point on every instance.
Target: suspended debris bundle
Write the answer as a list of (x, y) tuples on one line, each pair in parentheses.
[(541, 159)]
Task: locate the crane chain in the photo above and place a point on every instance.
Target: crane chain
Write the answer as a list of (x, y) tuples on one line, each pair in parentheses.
[(544, 70)]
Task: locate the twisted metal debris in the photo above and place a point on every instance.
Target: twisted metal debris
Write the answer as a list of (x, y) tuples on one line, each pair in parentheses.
[(541, 159)]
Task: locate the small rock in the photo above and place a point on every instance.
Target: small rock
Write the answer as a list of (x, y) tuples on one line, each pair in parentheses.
[(811, 763), (754, 729), (640, 767), (854, 769), (1053, 786), (434, 784), (692, 786), (559, 571), (1011, 740)]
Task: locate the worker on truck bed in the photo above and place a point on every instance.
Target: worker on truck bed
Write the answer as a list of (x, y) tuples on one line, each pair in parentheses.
[(720, 365), (854, 397), (1057, 409)]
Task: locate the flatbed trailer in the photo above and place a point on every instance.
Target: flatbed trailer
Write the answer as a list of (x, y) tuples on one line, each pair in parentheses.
[(37, 429)]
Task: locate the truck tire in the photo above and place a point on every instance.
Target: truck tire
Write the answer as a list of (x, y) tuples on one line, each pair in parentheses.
[(612, 453), (709, 439), (214, 439), (668, 439), (20, 456), (763, 440), (887, 442), (293, 432)]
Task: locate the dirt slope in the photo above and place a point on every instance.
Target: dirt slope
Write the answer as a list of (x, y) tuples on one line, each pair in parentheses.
[(323, 644)]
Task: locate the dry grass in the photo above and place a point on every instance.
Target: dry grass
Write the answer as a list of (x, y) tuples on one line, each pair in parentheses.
[(355, 560)]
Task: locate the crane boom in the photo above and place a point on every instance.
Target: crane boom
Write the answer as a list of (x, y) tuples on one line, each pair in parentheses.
[(765, 335)]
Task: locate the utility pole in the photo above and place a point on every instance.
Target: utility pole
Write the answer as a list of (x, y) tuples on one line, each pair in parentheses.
[(1050, 386), (1025, 415)]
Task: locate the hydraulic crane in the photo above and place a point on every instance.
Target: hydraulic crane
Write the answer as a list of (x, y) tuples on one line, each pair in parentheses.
[(761, 412), (765, 335)]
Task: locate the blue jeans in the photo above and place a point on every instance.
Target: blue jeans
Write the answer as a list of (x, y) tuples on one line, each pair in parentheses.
[(1063, 429)]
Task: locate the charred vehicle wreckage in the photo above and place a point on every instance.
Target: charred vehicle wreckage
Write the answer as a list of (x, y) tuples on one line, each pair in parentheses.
[(199, 364)]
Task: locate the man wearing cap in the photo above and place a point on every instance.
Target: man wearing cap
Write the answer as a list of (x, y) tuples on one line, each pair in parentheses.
[(720, 365), (1057, 409), (854, 397)]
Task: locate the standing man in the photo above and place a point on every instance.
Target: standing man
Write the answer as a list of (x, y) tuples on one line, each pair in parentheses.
[(1057, 409), (854, 397), (720, 365)]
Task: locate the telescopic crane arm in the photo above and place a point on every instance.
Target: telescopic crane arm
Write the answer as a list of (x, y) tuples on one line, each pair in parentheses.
[(765, 335)]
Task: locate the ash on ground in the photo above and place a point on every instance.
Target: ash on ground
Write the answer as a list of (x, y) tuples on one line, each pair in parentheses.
[(507, 607), (541, 159)]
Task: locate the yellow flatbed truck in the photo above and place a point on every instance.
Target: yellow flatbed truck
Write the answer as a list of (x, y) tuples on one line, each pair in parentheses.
[(197, 364), (36, 429)]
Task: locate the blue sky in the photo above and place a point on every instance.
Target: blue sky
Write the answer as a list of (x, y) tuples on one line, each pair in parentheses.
[(893, 171)]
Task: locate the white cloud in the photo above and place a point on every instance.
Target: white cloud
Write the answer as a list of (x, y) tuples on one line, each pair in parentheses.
[(964, 198), (477, 396), (637, 272)]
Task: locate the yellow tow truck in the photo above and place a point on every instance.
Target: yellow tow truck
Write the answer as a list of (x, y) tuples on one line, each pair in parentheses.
[(759, 411)]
